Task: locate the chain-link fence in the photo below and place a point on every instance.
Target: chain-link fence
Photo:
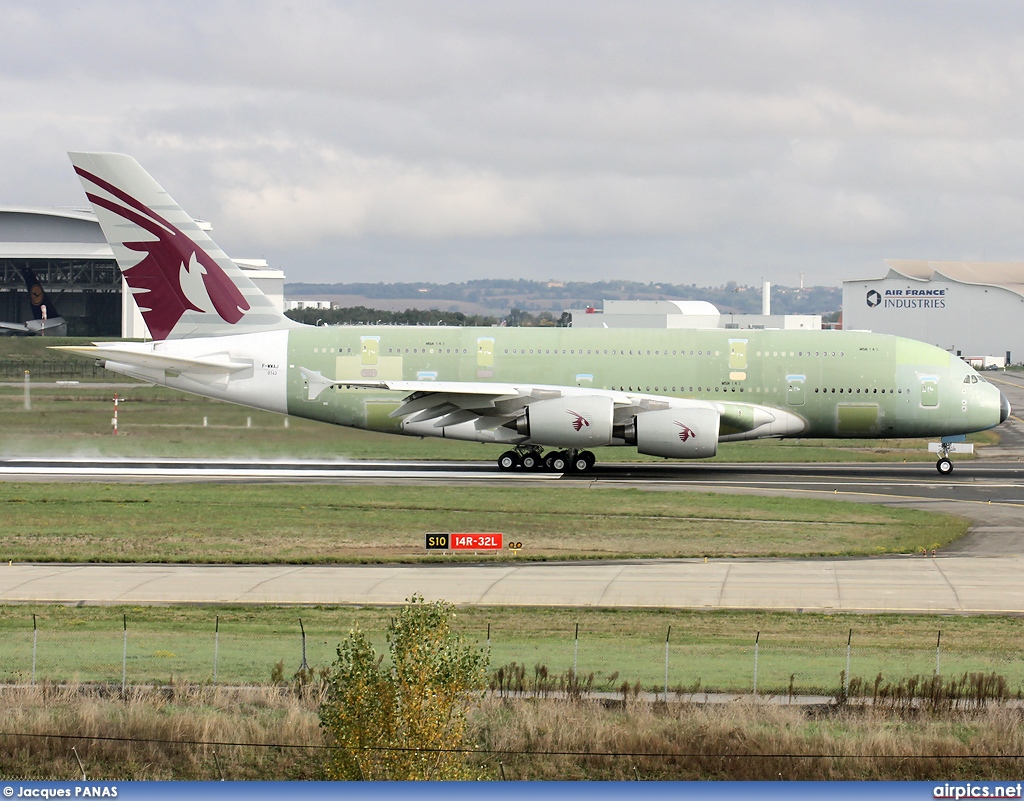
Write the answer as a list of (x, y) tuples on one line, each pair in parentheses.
[(676, 663), (39, 369)]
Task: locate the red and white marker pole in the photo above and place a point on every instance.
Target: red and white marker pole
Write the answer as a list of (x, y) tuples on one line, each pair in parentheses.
[(114, 421)]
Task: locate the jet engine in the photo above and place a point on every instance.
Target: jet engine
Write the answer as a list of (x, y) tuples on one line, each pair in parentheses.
[(572, 422), (678, 433)]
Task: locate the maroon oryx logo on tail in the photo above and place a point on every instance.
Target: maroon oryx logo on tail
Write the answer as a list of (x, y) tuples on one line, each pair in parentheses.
[(157, 278), (580, 420), (685, 432)]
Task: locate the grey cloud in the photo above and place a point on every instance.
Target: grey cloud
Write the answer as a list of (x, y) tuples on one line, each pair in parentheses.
[(551, 140)]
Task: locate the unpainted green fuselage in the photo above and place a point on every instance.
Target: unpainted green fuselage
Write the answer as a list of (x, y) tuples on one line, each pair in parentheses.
[(843, 384)]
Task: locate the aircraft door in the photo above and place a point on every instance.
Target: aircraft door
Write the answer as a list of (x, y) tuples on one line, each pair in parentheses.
[(929, 391), (795, 389), (737, 354), (485, 357), (370, 350), (485, 352)]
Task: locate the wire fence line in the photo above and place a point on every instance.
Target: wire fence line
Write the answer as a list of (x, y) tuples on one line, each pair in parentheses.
[(39, 368), (128, 653)]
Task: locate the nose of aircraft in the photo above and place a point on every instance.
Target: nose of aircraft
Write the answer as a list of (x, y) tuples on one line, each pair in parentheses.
[(1004, 408)]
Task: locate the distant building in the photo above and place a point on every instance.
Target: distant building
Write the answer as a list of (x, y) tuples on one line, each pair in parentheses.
[(683, 314), (293, 305), (973, 309), (69, 254)]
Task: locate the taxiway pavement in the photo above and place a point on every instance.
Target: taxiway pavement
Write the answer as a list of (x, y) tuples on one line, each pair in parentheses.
[(894, 584)]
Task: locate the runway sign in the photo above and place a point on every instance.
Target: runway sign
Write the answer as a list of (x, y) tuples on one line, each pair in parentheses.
[(463, 541), (437, 541)]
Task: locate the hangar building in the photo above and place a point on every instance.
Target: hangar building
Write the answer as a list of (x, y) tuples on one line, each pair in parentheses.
[(72, 260), (973, 309)]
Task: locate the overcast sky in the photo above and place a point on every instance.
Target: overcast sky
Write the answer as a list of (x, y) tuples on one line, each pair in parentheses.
[(692, 142)]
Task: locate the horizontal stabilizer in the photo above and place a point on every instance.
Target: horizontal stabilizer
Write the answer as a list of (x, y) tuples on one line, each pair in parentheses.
[(158, 361)]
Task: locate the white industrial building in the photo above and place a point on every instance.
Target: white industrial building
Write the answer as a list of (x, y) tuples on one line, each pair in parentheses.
[(69, 254), (686, 314), (973, 309)]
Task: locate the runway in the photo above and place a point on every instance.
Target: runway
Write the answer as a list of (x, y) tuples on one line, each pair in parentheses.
[(980, 574), (989, 493)]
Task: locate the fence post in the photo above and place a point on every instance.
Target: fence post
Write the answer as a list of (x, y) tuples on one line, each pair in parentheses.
[(938, 643), (28, 395), (216, 647), (35, 638), (757, 639), (124, 657), (576, 650), (488, 636), (305, 664), (846, 688), (667, 635)]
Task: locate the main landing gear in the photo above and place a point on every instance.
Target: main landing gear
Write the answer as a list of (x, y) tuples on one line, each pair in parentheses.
[(570, 461)]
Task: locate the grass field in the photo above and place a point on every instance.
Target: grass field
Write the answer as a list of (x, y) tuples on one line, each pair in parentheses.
[(253, 523), (74, 420), (712, 651), (206, 733)]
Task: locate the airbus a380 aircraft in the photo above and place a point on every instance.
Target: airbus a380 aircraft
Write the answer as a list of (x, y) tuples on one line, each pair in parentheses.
[(45, 320), (673, 393)]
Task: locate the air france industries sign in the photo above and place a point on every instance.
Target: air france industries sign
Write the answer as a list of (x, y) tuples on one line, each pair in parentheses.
[(907, 299)]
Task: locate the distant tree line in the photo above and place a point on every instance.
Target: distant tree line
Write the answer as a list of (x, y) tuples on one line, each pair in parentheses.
[(361, 315), (533, 296)]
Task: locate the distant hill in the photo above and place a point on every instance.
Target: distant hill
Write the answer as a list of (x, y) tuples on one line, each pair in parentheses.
[(499, 296)]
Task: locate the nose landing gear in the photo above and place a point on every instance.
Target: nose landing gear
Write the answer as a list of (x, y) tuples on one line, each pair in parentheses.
[(945, 464), (570, 461)]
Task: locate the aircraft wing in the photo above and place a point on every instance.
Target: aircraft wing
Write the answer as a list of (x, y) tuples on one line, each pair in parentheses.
[(14, 330), (491, 405)]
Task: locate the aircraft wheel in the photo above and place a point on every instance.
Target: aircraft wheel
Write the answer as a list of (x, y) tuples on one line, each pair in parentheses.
[(944, 466), (549, 462), (560, 462), (531, 461), (583, 462), (509, 460)]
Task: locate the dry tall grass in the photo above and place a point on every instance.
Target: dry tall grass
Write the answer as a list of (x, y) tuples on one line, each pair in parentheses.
[(746, 741), (157, 724), (647, 740)]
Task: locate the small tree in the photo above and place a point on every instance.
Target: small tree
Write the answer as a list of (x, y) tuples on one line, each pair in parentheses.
[(406, 720)]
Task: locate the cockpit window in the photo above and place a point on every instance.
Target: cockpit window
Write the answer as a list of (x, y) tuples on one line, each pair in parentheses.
[(967, 379)]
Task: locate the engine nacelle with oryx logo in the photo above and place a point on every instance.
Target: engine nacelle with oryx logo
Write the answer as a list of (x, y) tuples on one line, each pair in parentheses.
[(573, 422), (678, 433)]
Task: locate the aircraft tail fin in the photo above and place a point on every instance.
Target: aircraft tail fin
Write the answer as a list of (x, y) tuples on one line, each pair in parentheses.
[(184, 285)]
